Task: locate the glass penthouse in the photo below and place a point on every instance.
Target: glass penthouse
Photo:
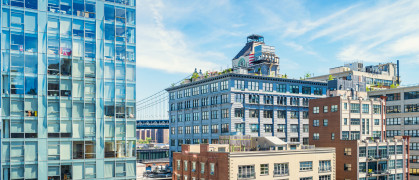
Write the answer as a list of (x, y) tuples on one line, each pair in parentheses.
[(67, 89)]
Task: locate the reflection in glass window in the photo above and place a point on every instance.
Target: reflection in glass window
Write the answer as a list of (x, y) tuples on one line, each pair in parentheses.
[(31, 42), (110, 32), (65, 26), (16, 84), (120, 72), (78, 28), (130, 73), (109, 90), (109, 71), (31, 85), (31, 21), (120, 91), (90, 30), (109, 13), (90, 50), (109, 51)]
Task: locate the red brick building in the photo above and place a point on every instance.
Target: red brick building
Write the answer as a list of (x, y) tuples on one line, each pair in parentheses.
[(211, 165), (356, 128)]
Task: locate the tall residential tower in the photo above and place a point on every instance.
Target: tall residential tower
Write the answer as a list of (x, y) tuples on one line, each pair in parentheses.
[(68, 89)]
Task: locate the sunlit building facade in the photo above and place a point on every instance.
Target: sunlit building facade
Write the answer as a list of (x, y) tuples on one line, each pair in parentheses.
[(68, 89)]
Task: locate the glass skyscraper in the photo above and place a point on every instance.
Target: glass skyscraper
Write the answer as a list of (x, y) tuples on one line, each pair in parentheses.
[(68, 89)]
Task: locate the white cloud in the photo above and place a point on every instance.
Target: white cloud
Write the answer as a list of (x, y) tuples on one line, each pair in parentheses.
[(372, 33), (168, 49)]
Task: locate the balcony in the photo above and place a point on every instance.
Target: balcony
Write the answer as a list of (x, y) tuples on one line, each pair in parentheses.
[(243, 176), (325, 169), (281, 173)]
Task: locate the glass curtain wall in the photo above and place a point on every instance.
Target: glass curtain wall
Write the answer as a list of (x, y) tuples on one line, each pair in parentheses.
[(68, 89)]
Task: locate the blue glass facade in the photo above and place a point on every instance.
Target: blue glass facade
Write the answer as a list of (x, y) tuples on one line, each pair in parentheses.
[(68, 89)]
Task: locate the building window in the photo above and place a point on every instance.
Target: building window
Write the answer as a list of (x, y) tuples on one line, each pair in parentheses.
[(377, 109), (333, 136), (376, 121), (224, 85), (239, 98), (305, 128), (224, 98), (268, 99), (281, 169), (325, 122), (225, 113), (295, 89), (205, 115), (254, 113), (246, 172), (316, 123), (282, 128), (212, 168), (214, 128), (294, 128), (325, 109), (345, 121), (238, 112), (305, 114), (193, 168), (316, 136), (318, 91), (325, 166), (225, 128), (254, 99), (253, 86), (306, 90), (347, 167), (295, 114), (196, 129), (267, 114), (202, 168), (214, 114), (282, 88), (348, 152), (264, 169), (345, 106), (306, 166), (254, 128), (188, 130), (239, 84), (268, 128), (316, 110), (334, 108), (355, 121), (282, 114), (180, 130), (354, 108), (204, 129), (281, 100), (240, 127), (178, 165), (324, 177), (185, 165), (267, 87), (365, 108)]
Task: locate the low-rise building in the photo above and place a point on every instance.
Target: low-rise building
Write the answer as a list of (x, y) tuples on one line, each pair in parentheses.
[(279, 161), (355, 126), (402, 118), (380, 76)]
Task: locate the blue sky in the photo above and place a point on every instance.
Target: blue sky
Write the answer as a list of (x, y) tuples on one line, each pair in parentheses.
[(174, 37)]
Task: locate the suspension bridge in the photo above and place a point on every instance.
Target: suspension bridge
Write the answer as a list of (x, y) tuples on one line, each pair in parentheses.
[(153, 111)]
